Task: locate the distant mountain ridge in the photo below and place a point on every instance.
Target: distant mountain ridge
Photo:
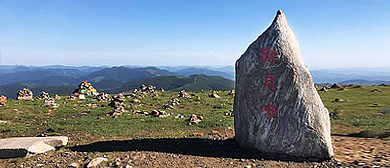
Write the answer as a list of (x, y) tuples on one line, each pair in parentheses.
[(204, 71), (119, 78), (175, 83), (121, 75), (59, 79)]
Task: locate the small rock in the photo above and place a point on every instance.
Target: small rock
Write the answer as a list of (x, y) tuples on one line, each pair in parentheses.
[(197, 134), (1, 122), (179, 116), (135, 101), (215, 132), (338, 100), (82, 97), (95, 162), (74, 165)]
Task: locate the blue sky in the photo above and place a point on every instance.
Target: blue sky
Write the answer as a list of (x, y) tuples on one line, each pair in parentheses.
[(331, 33)]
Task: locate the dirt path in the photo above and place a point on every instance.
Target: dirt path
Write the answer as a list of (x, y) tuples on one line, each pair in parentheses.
[(212, 150)]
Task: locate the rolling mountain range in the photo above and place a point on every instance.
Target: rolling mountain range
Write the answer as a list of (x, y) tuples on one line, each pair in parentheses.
[(64, 79)]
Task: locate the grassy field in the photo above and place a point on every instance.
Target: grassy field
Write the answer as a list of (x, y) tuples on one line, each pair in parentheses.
[(361, 112), (29, 118), (364, 111)]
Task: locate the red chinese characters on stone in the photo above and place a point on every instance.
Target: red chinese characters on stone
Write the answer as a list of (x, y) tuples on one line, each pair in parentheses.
[(267, 54), (269, 82), (270, 110)]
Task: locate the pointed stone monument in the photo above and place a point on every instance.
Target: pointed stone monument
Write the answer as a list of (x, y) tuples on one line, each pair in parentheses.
[(277, 110)]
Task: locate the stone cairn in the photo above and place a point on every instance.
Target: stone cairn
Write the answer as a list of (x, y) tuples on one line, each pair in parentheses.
[(49, 102), (183, 94), (57, 97), (159, 113), (324, 89), (117, 103), (85, 88), (71, 97), (103, 96), (43, 96), (231, 92), (143, 91), (173, 102), (277, 109), (25, 94), (336, 86), (214, 94), (194, 119), (3, 100)]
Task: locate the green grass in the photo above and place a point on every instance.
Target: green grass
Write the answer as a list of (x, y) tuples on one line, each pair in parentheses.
[(358, 112), (357, 115), (73, 116)]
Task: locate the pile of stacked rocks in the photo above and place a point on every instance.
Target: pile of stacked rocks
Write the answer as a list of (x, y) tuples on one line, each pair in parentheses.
[(3, 100), (167, 106), (183, 94), (230, 113), (117, 103), (147, 89), (324, 89), (144, 90), (25, 94), (195, 119), (135, 101), (43, 96), (57, 97), (49, 102), (336, 86), (173, 102), (159, 113), (85, 88), (214, 94), (129, 95), (71, 97), (135, 111), (103, 96)]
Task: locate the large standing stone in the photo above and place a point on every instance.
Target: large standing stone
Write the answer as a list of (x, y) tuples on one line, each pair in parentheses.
[(276, 107)]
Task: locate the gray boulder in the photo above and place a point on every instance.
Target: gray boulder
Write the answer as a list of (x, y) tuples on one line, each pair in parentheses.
[(277, 110), (23, 146)]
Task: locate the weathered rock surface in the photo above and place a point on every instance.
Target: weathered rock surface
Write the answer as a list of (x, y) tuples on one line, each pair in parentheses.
[(277, 109), (22, 146)]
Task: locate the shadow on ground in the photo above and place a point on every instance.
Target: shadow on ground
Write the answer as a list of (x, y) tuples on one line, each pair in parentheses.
[(187, 146), (366, 134)]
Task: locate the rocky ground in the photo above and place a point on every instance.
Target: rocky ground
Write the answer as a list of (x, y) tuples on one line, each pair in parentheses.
[(216, 149)]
